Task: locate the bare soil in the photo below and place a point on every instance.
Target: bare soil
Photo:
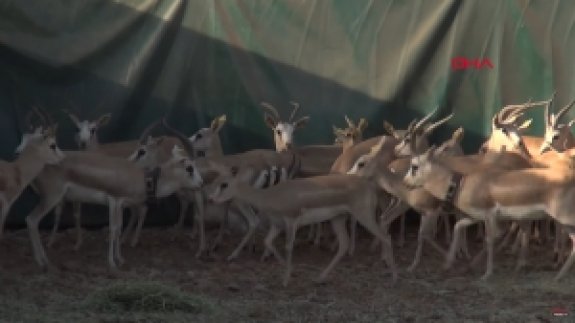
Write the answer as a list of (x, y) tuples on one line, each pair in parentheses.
[(247, 290)]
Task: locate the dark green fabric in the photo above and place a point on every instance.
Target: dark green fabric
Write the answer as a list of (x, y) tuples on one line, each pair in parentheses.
[(194, 60)]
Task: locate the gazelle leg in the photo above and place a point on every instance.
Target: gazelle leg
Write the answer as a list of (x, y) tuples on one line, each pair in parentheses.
[(141, 216), (353, 232), (509, 235), (118, 218), (460, 226), (318, 234), (291, 230), (425, 228), (45, 204), (447, 228), (569, 262), (401, 240), (490, 232), (338, 225), (524, 234), (224, 225), (365, 215), (57, 216), (199, 221), (184, 207), (77, 212), (273, 232), (252, 221), (112, 207)]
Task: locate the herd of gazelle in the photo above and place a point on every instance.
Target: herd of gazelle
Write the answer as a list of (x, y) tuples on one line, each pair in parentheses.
[(527, 182)]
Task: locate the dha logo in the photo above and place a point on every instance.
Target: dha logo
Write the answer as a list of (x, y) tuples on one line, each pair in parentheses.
[(464, 63)]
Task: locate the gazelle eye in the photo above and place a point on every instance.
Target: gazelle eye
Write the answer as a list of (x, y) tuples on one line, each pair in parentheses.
[(223, 186), (198, 136), (92, 131), (141, 152), (361, 164), (348, 135), (53, 146), (504, 130), (414, 169), (190, 169), (555, 137), (278, 132)]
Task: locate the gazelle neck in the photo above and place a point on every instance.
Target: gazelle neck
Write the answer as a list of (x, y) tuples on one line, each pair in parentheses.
[(439, 181), (392, 183), (29, 166), (216, 148)]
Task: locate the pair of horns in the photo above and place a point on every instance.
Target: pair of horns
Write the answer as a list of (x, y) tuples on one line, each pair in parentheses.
[(274, 112), (550, 119)]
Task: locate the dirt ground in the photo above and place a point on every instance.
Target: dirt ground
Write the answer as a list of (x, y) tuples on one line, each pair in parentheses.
[(246, 290)]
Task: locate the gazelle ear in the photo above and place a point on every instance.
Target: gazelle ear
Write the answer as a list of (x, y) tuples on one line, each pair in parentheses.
[(390, 129), (218, 123), (270, 121), (301, 122), (336, 131), (458, 134), (362, 124), (103, 120), (571, 123), (525, 124), (74, 119)]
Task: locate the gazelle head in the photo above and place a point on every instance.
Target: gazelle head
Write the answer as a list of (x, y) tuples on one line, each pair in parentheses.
[(506, 128), (420, 169), (230, 179), (29, 130), (283, 130), (352, 134), (184, 169), (415, 139), (380, 154), (557, 135), (207, 139), (452, 146), (41, 140), (87, 130)]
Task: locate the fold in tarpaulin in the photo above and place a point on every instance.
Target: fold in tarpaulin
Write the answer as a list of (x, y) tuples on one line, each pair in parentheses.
[(194, 60)]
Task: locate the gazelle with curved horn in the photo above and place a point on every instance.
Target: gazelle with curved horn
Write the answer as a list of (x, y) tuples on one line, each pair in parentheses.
[(316, 159), (277, 167), (90, 177), (493, 194)]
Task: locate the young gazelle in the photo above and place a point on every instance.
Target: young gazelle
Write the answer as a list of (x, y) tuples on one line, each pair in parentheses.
[(347, 138), (494, 193), (116, 182), (16, 175), (304, 201)]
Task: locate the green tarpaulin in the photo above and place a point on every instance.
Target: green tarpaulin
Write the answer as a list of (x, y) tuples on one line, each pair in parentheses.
[(194, 60)]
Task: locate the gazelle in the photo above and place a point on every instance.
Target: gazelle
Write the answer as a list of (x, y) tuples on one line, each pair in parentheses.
[(32, 158), (304, 201), (390, 175), (492, 194), (116, 182), (316, 159)]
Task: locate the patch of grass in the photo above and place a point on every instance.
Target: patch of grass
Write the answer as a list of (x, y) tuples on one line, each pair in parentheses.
[(149, 297)]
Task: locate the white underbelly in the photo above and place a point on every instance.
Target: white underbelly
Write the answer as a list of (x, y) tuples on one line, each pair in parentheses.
[(78, 193), (322, 214), (521, 212)]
